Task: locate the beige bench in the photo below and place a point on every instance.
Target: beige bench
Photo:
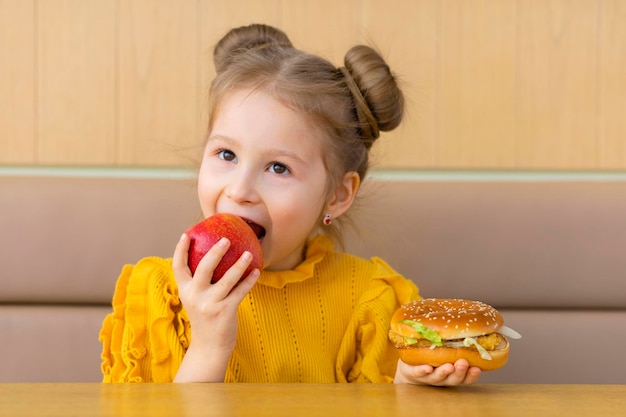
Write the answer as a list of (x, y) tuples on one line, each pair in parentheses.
[(551, 255)]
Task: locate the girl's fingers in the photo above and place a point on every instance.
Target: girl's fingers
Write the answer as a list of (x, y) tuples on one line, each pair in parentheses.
[(459, 373), (245, 285), (472, 376), (233, 276), (179, 260), (453, 375), (206, 266)]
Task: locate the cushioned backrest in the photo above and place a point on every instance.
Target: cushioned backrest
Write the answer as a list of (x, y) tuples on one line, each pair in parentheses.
[(513, 244), (66, 239)]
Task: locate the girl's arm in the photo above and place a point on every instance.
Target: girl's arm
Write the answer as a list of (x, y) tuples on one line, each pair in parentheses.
[(212, 310)]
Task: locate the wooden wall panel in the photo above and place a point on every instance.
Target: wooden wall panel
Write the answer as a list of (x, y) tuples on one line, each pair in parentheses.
[(388, 25), (325, 27), (159, 92), (490, 84), (612, 85), (477, 77), (76, 81), (17, 82), (558, 101)]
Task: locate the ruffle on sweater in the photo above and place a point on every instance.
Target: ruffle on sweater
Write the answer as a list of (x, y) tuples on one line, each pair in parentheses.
[(316, 249), (147, 316)]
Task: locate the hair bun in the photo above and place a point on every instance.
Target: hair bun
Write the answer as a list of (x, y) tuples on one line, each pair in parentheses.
[(244, 38), (378, 87)]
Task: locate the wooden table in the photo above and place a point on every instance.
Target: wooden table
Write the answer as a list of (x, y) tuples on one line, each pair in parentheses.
[(303, 400)]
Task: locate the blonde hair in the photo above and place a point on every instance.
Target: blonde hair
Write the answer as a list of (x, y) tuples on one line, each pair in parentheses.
[(350, 105)]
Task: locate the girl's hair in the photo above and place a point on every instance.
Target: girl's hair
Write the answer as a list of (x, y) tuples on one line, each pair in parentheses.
[(350, 105)]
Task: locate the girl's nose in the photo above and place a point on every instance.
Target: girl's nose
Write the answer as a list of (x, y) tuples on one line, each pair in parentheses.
[(242, 187)]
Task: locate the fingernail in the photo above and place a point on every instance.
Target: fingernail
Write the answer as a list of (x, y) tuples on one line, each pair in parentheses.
[(223, 242), (246, 256)]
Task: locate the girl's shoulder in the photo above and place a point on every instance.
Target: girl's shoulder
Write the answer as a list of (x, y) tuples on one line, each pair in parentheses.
[(376, 278), (150, 278), (152, 267), (361, 270), (373, 267)]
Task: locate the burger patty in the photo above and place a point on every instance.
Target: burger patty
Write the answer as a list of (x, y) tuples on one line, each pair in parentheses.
[(489, 341)]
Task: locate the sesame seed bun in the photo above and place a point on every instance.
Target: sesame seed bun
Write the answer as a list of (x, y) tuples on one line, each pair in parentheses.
[(451, 318)]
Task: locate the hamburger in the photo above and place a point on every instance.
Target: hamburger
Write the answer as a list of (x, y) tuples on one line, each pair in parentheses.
[(435, 331)]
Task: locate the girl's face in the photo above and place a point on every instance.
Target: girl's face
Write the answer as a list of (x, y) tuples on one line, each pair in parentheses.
[(263, 162)]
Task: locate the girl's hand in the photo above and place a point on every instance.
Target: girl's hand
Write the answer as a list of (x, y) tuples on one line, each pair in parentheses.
[(212, 309), (459, 373)]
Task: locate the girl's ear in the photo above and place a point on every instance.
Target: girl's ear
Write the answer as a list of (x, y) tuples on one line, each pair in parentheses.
[(343, 196)]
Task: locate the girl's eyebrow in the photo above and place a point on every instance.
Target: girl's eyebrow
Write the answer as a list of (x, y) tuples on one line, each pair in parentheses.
[(227, 139), (278, 153)]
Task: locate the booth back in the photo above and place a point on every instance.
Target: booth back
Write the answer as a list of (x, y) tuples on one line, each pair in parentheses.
[(551, 255)]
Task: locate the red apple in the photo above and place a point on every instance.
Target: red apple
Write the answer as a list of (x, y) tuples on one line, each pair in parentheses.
[(209, 231)]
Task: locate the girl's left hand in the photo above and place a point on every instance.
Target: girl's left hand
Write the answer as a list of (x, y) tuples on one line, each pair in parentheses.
[(446, 375)]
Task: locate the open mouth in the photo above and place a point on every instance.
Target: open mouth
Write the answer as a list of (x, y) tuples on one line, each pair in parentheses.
[(258, 230)]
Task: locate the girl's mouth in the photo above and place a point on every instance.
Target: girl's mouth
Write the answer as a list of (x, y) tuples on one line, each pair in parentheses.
[(258, 230)]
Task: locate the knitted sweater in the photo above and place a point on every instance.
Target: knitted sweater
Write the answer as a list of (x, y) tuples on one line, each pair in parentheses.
[(327, 320)]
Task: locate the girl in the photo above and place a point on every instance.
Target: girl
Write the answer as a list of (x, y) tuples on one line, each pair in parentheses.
[(287, 148)]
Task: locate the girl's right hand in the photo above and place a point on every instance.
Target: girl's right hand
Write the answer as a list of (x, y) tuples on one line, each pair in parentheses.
[(212, 310), (446, 375)]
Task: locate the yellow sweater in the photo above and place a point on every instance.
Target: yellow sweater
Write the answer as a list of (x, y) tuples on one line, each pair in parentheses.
[(325, 321)]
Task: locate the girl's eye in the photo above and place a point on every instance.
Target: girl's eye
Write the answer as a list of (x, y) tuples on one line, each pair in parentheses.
[(226, 155), (278, 168)]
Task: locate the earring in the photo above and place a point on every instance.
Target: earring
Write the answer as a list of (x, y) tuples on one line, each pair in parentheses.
[(328, 219)]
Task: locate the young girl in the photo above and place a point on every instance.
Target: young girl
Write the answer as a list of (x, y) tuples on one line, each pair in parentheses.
[(287, 148)]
